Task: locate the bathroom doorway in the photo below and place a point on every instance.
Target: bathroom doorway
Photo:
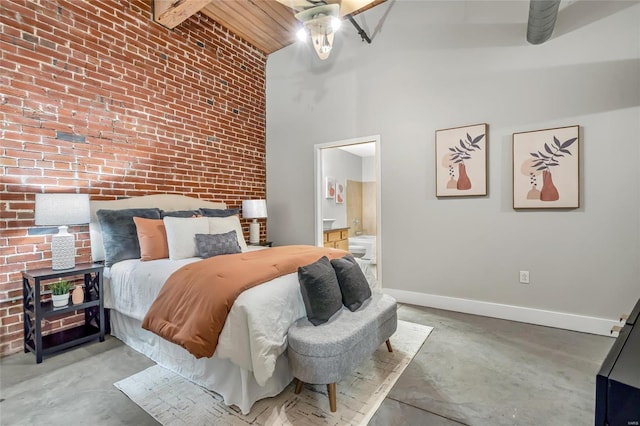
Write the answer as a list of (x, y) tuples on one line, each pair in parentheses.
[(347, 198)]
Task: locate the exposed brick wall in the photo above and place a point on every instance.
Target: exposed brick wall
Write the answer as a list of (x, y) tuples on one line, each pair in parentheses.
[(97, 98)]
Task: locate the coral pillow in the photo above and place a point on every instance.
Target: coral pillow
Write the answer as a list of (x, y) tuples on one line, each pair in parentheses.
[(152, 237)]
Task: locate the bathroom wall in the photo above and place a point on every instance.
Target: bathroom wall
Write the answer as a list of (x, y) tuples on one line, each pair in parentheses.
[(369, 201), (361, 208), (354, 207), (369, 196), (369, 169), (341, 166)]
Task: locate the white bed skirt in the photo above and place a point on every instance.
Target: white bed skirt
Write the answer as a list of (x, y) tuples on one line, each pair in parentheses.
[(236, 385)]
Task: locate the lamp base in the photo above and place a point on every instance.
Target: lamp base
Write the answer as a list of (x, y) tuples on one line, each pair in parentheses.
[(254, 232), (63, 250)]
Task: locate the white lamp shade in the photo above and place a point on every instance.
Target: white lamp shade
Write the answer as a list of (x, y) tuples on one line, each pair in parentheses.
[(254, 209), (62, 209)]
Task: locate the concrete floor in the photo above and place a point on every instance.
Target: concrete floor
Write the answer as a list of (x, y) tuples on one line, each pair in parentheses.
[(475, 370), (472, 370)]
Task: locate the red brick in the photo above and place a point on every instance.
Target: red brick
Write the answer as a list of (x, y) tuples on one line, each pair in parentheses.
[(146, 120)]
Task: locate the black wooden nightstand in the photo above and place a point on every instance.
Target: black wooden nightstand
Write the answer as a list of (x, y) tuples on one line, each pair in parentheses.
[(263, 244), (35, 310)]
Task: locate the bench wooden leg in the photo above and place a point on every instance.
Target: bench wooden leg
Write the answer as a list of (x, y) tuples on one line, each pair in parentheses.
[(389, 345), (331, 390)]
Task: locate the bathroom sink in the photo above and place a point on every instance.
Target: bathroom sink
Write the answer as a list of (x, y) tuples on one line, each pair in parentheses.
[(327, 224)]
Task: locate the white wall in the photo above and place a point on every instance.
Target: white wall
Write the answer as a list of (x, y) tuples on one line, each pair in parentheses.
[(436, 65), (341, 166), (369, 169)]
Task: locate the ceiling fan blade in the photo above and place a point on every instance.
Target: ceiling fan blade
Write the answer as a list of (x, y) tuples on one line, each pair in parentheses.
[(297, 5), (348, 7)]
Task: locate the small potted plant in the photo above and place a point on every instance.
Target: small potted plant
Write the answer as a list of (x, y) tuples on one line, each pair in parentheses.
[(60, 293)]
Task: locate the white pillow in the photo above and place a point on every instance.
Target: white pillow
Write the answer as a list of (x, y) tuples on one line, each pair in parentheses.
[(221, 225), (181, 235)]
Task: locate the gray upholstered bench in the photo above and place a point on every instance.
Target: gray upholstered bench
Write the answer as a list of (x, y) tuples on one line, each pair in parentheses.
[(326, 353)]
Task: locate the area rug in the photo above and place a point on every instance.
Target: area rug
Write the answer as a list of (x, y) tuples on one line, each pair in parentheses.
[(173, 400)]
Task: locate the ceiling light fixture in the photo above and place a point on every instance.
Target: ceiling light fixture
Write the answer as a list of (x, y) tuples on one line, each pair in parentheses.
[(320, 22)]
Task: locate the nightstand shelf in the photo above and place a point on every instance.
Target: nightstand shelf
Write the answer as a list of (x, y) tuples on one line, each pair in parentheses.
[(35, 310), (61, 340), (47, 310)]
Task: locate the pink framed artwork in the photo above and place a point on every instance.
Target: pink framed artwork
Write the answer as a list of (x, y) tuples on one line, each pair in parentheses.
[(330, 187), (461, 161), (546, 168), (340, 191)]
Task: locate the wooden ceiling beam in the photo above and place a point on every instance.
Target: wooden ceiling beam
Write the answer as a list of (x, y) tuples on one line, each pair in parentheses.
[(170, 13)]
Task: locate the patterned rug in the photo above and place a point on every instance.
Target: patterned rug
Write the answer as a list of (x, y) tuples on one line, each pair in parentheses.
[(173, 400)]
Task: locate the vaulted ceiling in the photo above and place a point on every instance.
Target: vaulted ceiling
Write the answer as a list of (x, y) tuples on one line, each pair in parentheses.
[(269, 25)]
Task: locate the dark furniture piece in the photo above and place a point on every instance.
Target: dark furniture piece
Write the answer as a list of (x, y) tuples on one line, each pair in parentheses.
[(35, 310), (618, 381)]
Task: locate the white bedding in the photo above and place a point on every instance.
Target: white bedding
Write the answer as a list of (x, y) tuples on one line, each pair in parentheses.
[(249, 348), (255, 332)]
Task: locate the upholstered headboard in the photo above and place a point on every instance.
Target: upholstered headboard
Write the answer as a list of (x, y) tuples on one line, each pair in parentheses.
[(167, 202)]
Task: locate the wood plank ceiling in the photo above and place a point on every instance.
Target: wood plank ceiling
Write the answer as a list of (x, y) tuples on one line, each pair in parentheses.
[(266, 24), (269, 25)]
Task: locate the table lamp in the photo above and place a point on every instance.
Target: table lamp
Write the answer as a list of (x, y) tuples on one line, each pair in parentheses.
[(254, 209), (61, 210)]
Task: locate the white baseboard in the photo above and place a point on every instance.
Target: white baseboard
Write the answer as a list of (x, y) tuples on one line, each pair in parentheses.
[(554, 319)]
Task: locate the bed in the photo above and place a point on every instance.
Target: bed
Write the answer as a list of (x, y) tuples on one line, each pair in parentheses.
[(249, 362)]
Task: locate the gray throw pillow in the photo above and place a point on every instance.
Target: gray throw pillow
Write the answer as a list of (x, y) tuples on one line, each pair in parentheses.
[(119, 235), (320, 290), (353, 284), (180, 213), (218, 212), (210, 245)]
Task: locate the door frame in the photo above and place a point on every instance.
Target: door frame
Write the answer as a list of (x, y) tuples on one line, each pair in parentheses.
[(319, 186)]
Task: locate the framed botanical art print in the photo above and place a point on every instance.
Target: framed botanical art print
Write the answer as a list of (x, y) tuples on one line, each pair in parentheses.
[(329, 187), (340, 192), (461, 161), (546, 168)]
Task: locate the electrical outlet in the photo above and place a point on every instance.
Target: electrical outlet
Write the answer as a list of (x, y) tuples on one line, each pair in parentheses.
[(524, 277)]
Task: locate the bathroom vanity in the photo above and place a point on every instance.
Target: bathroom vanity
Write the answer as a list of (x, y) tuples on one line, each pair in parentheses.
[(337, 238)]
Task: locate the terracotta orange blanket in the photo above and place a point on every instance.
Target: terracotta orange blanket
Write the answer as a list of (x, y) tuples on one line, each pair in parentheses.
[(193, 304)]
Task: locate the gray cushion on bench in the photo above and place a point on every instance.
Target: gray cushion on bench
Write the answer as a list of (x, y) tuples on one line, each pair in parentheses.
[(353, 284), (326, 353), (320, 290)]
